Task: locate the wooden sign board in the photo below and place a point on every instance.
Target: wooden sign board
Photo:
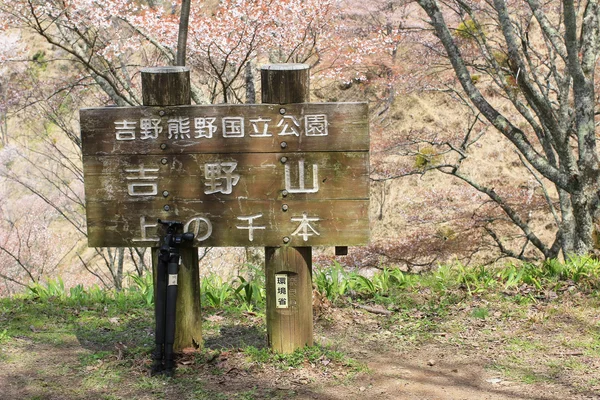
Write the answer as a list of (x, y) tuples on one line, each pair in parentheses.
[(236, 175)]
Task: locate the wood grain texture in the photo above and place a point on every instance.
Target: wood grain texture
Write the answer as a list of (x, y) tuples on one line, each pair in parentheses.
[(170, 86), (285, 83), (166, 86), (340, 175), (347, 129), (290, 328), (174, 172), (340, 222)]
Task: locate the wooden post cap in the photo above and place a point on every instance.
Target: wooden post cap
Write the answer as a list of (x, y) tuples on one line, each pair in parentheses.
[(285, 83), (285, 67), (166, 86)]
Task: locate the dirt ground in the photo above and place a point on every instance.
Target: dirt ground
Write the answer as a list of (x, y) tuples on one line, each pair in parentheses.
[(433, 371), (542, 351)]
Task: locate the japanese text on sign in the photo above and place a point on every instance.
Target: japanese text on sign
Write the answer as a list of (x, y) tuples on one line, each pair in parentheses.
[(281, 291), (234, 175), (220, 177), (207, 127)]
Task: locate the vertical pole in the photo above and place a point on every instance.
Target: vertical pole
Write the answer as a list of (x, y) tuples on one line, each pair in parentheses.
[(288, 328), (170, 86)]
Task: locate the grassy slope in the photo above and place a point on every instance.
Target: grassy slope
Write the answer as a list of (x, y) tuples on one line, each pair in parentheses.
[(534, 336)]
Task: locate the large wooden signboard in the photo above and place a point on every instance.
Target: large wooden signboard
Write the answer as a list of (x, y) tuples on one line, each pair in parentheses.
[(236, 175)]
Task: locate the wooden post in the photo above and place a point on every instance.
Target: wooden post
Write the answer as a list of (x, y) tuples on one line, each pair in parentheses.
[(170, 86), (288, 328)]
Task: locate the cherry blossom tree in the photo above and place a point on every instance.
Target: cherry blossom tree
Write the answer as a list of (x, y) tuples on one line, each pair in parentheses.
[(28, 250), (11, 50), (89, 54)]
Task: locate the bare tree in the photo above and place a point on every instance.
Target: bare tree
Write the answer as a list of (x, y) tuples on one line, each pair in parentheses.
[(543, 58)]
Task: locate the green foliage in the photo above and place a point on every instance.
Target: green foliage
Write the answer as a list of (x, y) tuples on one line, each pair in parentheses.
[(581, 270), (142, 286), (336, 283), (333, 282), (469, 30), (422, 305), (250, 291), (77, 293), (4, 336), (584, 270), (301, 356), (247, 291), (40, 59), (215, 292), (52, 288), (426, 157), (476, 280), (140, 292)]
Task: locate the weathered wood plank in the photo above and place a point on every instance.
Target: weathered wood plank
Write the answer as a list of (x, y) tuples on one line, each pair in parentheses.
[(171, 85), (291, 327), (321, 223), (256, 176), (185, 129)]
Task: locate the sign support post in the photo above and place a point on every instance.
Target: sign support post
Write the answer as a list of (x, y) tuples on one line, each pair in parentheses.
[(288, 270), (170, 86)]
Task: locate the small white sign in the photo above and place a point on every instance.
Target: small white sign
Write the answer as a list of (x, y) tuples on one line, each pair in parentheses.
[(281, 291), (172, 280)]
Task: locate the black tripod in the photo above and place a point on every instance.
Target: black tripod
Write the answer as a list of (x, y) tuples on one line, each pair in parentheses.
[(166, 296)]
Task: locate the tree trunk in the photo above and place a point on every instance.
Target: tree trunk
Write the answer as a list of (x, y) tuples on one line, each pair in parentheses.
[(564, 125), (119, 272), (250, 87)]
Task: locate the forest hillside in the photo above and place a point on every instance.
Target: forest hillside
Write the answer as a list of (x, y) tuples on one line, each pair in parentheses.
[(476, 156)]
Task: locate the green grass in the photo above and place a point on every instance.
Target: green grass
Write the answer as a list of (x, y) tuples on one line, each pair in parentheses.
[(4, 336), (310, 355), (93, 358), (519, 344), (518, 372), (480, 312), (452, 300)]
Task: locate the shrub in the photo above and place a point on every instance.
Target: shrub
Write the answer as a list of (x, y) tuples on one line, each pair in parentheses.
[(469, 30), (501, 58), (426, 157)]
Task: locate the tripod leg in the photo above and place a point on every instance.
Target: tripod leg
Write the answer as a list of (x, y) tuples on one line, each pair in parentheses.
[(159, 315), (171, 313)]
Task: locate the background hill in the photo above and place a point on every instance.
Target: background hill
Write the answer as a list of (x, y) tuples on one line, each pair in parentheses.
[(378, 52)]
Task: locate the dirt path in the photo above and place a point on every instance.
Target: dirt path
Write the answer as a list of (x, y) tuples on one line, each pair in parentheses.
[(434, 373), (545, 351), (429, 373)]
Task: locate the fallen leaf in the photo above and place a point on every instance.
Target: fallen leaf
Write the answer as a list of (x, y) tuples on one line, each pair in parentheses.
[(214, 318)]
